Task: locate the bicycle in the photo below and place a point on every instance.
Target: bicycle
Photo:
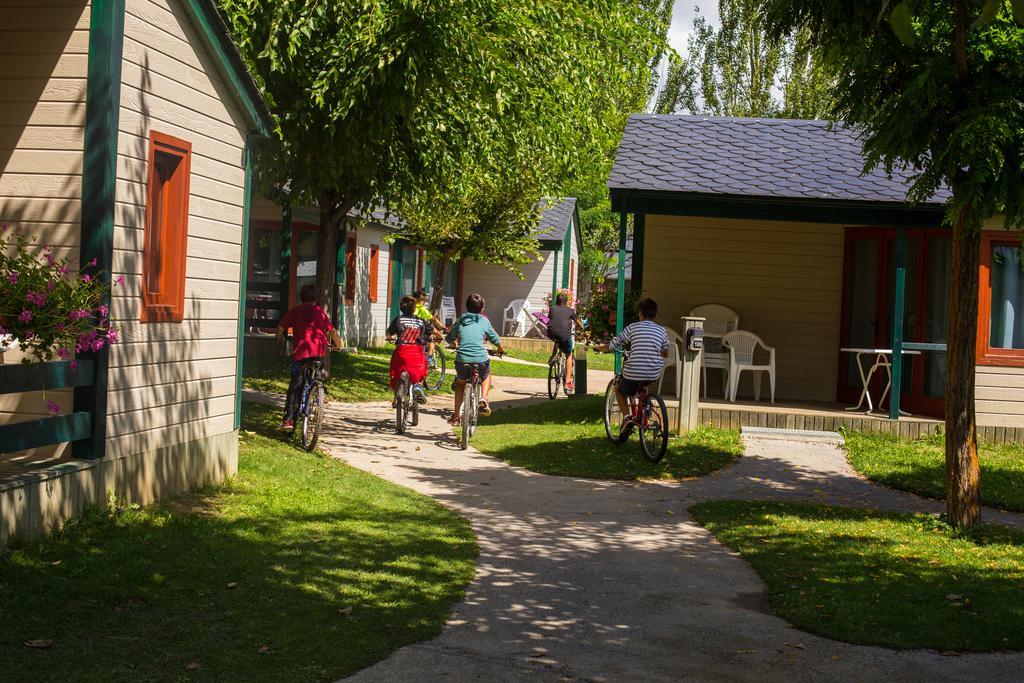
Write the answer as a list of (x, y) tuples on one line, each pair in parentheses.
[(471, 404), (312, 404), (437, 366), (556, 375), (648, 415), (407, 409)]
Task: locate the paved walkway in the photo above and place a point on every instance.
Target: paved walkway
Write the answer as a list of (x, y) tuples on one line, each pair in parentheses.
[(583, 580)]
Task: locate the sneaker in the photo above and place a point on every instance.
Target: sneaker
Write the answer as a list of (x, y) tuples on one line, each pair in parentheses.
[(421, 396), (626, 429), (287, 426), (485, 408), (454, 420), (570, 386)]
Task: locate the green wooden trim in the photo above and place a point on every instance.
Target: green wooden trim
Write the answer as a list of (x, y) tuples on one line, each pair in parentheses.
[(637, 275), (551, 245), (427, 273), (207, 19), (567, 250), (899, 295), (554, 276), (243, 273), (620, 287), (16, 378), (286, 256), (47, 431), (99, 180), (766, 208)]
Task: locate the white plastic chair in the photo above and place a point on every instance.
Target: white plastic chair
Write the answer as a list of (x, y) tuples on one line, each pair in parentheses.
[(516, 313), (674, 359), (448, 311), (718, 320), (741, 346)]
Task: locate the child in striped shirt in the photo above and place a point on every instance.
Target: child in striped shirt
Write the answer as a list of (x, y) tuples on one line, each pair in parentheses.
[(647, 344)]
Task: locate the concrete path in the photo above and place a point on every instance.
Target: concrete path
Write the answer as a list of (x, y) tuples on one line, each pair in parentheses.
[(582, 580)]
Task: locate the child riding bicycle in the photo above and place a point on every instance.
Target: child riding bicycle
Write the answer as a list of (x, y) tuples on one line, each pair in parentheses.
[(562, 320), (468, 334), (647, 343), (423, 312), (410, 334), (311, 330)]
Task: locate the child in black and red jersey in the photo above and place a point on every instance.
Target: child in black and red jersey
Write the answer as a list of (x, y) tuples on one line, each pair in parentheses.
[(411, 335)]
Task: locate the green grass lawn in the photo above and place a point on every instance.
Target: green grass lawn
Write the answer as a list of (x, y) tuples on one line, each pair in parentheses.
[(355, 377), (302, 568), (920, 467), (566, 437), (901, 581)]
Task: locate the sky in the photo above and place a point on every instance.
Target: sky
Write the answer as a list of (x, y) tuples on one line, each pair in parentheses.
[(682, 20)]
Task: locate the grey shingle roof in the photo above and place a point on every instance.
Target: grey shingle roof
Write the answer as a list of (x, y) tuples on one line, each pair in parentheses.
[(772, 158), (556, 219)]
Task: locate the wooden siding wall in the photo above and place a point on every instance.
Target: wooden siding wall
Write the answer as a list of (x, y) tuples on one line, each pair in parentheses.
[(365, 322), (174, 382), (784, 279), (574, 254), (44, 58), (499, 286), (999, 396)]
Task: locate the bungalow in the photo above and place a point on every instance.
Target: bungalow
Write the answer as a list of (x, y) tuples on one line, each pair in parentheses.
[(376, 269), (109, 110), (774, 219)]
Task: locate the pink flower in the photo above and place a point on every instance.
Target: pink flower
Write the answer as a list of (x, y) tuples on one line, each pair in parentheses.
[(35, 298), (64, 353), (53, 408), (13, 277), (86, 278), (49, 257), (93, 263), (60, 327), (120, 280), (50, 286), (26, 316), (103, 310), (73, 365), (111, 335), (97, 344), (3, 228), (64, 269)]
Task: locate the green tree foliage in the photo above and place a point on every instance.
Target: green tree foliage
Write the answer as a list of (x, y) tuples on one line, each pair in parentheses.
[(580, 72), (937, 86), (737, 69)]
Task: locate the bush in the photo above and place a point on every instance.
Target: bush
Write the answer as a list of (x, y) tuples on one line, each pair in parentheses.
[(599, 311)]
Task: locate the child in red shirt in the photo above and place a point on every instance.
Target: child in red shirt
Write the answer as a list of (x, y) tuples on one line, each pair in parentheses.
[(411, 335), (311, 331)]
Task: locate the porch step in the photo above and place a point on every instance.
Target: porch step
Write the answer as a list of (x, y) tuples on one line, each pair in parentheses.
[(804, 435)]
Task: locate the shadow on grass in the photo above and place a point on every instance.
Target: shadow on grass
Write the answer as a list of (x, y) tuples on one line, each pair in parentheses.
[(896, 580), (567, 437), (301, 569), (919, 467)]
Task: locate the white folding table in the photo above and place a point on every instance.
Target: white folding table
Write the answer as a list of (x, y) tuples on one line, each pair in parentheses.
[(883, 359)]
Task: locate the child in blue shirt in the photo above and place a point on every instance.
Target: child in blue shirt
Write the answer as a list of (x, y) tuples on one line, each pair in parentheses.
[(468, 334)]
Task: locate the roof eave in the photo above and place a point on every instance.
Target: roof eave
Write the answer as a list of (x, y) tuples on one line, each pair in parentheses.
[(207, 19), (823, 210)]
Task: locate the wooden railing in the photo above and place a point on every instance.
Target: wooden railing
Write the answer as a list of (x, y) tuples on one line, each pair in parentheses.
[(54, 429)]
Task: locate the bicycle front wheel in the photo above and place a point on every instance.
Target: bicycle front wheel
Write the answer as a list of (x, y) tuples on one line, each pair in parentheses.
[(314, 416), (612, 413), (654, 430), (400, 397), (436, 369)]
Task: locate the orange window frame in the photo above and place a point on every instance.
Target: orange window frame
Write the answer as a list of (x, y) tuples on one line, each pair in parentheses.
[(350, 269), (166, 233), (987, 355), (374, 267)]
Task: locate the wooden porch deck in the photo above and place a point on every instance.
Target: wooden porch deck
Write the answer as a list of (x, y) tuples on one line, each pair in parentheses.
[(826, 417)]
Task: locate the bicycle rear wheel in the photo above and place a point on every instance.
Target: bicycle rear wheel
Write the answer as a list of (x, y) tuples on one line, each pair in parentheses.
[(612, 414), (554, 379), (401, 395), (314, 415), (467, 415), (654, 431), (436, 369)]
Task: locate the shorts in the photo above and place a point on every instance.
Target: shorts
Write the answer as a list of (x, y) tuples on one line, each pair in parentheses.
[(566, 346), (409, 359), (464, 371), (629, 387)]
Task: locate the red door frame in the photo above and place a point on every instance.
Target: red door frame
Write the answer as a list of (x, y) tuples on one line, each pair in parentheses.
[(913, 399)]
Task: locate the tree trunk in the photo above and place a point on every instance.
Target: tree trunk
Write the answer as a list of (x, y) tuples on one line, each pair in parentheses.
[(437, 286), (963, 490), (332, 212)]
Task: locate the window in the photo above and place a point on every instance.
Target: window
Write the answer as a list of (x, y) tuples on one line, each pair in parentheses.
[(1001, 301), (165, 244), (350, 269), (374, 267)]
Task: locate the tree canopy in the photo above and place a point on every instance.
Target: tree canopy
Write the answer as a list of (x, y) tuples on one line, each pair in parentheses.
[(935, 86), (739, 69)]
